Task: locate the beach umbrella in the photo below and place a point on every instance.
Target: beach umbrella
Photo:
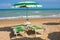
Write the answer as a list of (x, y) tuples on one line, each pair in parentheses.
[(26, 4)]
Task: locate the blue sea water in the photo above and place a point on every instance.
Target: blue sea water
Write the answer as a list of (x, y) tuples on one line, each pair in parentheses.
[(23, 13)]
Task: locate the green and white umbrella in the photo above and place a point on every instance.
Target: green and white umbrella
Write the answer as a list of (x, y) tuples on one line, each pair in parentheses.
[(28, 4)]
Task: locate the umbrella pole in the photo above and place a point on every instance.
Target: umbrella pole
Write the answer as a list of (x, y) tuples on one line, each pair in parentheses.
[(35, 33), (27, 14)]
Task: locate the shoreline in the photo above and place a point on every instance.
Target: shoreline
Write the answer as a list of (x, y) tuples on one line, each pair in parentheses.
[(30, 17), (12, 18)]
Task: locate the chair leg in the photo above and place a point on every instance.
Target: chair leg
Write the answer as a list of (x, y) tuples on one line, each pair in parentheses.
[(35, 33)]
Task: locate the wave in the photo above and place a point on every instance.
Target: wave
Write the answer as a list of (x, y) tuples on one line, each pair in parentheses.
[(35, 16)]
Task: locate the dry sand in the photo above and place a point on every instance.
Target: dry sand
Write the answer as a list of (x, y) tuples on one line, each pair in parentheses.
[(4, 24)]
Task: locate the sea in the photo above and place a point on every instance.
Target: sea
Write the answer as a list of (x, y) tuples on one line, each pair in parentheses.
[(29, 13)]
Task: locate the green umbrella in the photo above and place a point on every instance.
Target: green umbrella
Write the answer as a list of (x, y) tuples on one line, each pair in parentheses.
[(26, 4)]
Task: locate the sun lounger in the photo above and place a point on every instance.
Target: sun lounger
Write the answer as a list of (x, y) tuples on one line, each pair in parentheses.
[(36, 27), (18, 29), (33, 29)]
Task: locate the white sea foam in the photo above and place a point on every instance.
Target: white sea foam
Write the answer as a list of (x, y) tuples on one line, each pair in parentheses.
[(35, 16)]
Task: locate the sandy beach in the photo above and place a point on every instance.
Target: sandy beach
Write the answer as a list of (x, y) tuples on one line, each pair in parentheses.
[(49, 29)]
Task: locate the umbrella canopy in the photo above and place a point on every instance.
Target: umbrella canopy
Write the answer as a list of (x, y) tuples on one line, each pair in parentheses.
[(27, 4)]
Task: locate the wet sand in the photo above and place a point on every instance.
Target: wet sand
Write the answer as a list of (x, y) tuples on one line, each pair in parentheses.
[(4, 24)]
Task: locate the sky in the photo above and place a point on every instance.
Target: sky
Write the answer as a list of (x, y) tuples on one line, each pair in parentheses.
[(6, 4)]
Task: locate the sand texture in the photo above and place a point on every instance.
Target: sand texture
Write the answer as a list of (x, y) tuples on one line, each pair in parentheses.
[(51, 32)]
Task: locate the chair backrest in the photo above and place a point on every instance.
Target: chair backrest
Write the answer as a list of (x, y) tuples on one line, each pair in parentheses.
[(19, 28), (36, 27)]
